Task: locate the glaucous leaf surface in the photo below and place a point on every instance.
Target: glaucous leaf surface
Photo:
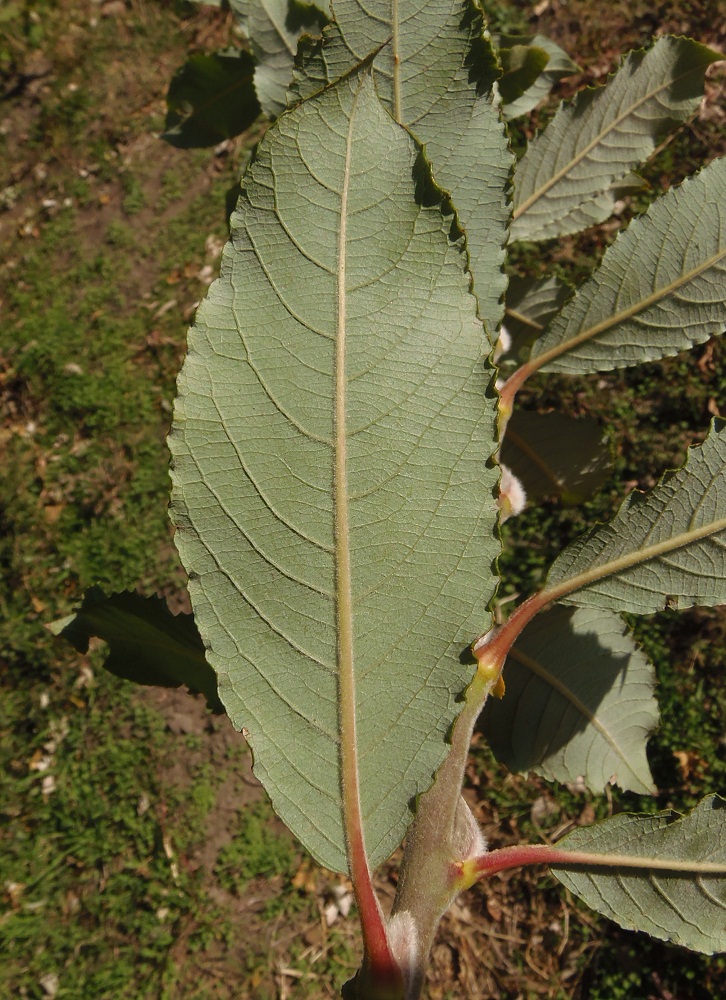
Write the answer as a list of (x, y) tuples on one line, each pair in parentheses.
[(334, 507), (147, 643), (562, 183), (688, 909), (579, 702), (558, 65), (664, 547), (434, 69), (659, 289), (553, 454)]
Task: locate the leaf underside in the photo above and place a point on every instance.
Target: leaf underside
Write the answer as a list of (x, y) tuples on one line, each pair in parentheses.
[(331, 494), (563, 181), (579, 703), (434, 70), (683, 908), (664, 547), (659, 289)]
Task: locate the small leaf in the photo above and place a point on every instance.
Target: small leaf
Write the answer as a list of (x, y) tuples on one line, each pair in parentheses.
[(556, 455), (658, 291), (330, 441), (211, 98), (148, 644), (562, 181), (533, 91), (273, 28), (522, 65), (685, 907), (664, 547), (579, 702), (435, 71)]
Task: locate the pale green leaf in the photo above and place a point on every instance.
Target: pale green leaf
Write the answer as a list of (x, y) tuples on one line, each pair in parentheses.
[(562, 182), (685, 907), (331, 489), (434, 70), (553, 454), (273, 28), (147, 643), (579, 702), (558, 64), (659, 290), (664, 547)]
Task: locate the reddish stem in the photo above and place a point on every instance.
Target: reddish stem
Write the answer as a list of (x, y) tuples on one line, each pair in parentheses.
[(381, 968)]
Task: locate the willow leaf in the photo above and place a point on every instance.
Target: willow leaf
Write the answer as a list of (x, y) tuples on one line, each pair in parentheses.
[(667, 546), (658, 291), (562, 181), (579, 702), (333, 504), (558, 65), (553, 454), (434, 69), (273, 28), (686, 907)]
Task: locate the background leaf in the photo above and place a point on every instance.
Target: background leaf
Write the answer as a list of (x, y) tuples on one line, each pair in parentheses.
[(561, 184), (339, 292), (687, 909), (556, 455), (558, 64), (273, 28), (579, 702), (211, 98), (530, 303), (659, 289), (667, 546), (439, 84), (148, 644)]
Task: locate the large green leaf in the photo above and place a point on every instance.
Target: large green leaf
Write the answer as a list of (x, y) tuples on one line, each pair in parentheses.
[(273, 28), (579, 702), (553, 454), (658, 291), (563, 181), (526, 94), (686, 907), (147, 643), (434, 70), (664, 547), (333, 503)]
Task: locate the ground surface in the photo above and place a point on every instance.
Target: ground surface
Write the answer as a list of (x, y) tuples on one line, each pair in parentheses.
[(138, 856)]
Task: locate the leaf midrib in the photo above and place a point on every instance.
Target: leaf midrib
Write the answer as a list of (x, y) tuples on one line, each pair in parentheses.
[(548, 185), (343, 581)]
